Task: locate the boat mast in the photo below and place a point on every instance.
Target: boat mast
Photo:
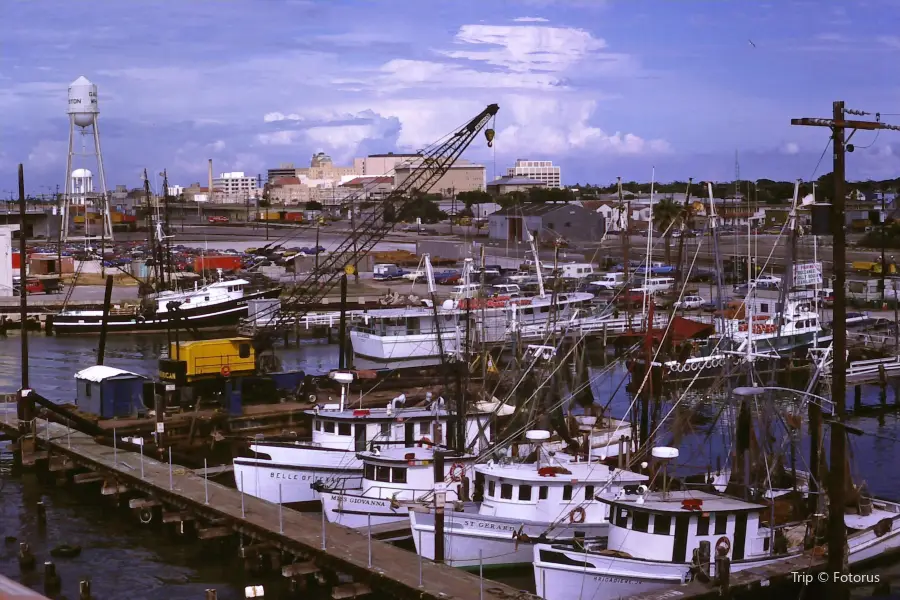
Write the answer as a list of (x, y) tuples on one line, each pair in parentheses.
[(624, 224), (787, 283), (150, 229)]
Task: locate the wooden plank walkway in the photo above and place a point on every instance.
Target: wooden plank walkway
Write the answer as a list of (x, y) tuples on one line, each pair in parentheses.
[(11, 590), (393, 571), (741, 581)]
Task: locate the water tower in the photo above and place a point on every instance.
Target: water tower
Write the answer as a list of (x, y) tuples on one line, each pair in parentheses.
[(83, 112)]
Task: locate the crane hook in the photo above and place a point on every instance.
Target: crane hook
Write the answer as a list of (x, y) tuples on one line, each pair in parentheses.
[(489, 134)]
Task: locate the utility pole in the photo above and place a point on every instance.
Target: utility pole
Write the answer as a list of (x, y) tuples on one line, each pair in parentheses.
[(837, 534)]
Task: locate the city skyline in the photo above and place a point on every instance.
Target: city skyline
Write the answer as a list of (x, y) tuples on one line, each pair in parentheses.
[(600, 88)]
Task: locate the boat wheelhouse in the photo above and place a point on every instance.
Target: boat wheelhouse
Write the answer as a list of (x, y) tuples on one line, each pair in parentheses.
[(294, 470), (396, 479), (653, 536), (522, 503)]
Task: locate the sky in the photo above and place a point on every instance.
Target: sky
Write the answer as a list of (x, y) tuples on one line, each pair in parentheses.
[(603, 88)]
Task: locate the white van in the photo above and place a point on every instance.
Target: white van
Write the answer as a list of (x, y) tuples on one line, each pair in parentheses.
[(575, 270), (466, 290), (506, 289), (656, 285), (609, 281)]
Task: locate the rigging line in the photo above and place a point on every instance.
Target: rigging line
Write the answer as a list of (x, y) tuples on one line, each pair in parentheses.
[(821, 156)]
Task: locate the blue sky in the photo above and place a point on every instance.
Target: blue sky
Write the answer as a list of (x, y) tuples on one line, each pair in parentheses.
[(601, 87)]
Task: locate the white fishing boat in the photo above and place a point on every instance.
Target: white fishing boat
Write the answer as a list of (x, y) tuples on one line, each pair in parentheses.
[(653, 536), (522, 503), (395, 479), (293, 471)]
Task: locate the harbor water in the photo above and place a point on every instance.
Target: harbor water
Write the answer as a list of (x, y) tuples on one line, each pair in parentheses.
[(125, 559)]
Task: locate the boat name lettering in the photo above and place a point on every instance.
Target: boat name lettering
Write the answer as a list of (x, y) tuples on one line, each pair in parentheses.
[(486, 525), (351, 500), (291, 476), (608, 579)]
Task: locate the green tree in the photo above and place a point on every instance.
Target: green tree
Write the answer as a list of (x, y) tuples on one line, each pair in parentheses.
[(667, 215), (313, 205), (474, 197)]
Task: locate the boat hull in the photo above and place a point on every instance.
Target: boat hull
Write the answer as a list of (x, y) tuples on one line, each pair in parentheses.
[(465, 535), (356, 510), (218, 316)]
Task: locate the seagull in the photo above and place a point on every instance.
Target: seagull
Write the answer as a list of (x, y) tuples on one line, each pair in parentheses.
[(751, 43)]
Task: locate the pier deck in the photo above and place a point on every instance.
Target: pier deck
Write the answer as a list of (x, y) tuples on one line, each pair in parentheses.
[(393, 570)]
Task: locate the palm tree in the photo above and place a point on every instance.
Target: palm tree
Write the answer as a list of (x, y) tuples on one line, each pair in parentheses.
[(667, 216)]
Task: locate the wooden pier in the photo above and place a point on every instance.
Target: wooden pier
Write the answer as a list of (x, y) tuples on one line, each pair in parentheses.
[(181, 495)]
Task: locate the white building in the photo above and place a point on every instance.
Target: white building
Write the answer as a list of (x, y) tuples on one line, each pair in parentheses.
[(6, 268), (540, 170), (376, 165), (235, 187)]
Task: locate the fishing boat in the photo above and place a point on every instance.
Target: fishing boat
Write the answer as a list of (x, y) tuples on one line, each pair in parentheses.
[(292, 471), (652, 536), (217, 305), (551, 499), (397, 479)]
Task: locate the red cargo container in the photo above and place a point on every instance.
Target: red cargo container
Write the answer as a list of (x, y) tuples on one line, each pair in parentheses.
[(16, 263), (294, 216), (211, 263)]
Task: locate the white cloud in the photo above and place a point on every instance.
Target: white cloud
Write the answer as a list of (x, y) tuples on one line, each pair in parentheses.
[(531, 20), (891, 41), (525, 47), (284, 137), (790, 148), (402, 73), (47, 153), (832, 37)]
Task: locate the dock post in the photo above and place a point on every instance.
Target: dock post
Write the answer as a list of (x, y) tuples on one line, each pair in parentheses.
[(281, 517), (84, 589), (723, 573), (142, 458), (421, 549), (242, 495), (171, 486), (369, 515), (323, 529), (41, 512), (205, 483), (51, 578), (857, 397), (211, 595), (439, 499), (480, 574), (704, 557), (115, 449)]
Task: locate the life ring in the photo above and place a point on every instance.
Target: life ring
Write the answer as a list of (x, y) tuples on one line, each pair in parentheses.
[(577, 515), (146, 515), (457, 471), (225, 371), (425, 441), (723, 546)]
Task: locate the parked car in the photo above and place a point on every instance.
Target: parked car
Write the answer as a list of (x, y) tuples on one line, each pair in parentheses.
[(691, 302), (710, 306), (414, 276)]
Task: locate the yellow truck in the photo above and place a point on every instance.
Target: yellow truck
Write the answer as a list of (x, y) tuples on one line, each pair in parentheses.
[(873, 267)]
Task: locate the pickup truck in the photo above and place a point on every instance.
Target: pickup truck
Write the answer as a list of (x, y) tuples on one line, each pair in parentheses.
[(386, 272)]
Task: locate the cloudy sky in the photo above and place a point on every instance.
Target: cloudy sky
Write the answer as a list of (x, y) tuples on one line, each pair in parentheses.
[(601, 87)]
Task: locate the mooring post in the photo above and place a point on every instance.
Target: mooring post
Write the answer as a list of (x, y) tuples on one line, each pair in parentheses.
[(41, 512), (280, 513), (115, 449), (420, 550), (84, 589), (211, 595), (68, 435), (323, 530), (205, 484), (481, 572), (242, 494), (171, 486), (369, 515), (142, 458)]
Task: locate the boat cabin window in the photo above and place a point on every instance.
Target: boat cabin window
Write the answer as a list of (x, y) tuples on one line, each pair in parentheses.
[(383, 474), (640, 521), (567, 492), (244, 350), (506, 491), (386, 429), (398, 475), (662, 524), (764, 307), (721, 523), (423, 428), (491, 487), (621, 517), (343, 428), (369, 472), (525, 493), (317, 424), (542, 492), (329, 426), (703, 524), (588, 492)]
